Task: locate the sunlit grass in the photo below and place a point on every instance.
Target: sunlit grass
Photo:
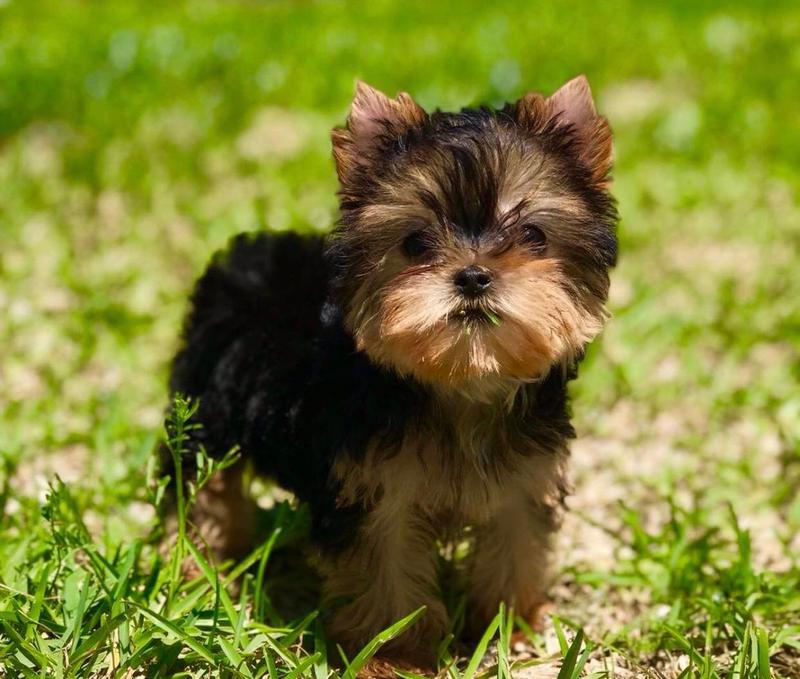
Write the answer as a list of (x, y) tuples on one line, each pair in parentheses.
[(137, 138)]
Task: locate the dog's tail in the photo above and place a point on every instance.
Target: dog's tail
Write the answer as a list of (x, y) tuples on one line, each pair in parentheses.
[(268, 285)]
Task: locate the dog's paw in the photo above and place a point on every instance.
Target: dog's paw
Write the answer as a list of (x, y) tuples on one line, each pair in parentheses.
[(385, 668), (536, 614)]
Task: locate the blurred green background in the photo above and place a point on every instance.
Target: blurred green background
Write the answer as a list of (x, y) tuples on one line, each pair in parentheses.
[(137, 137)]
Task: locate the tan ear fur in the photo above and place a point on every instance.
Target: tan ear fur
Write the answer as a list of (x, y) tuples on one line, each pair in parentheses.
[(373, 117), (574, 105)]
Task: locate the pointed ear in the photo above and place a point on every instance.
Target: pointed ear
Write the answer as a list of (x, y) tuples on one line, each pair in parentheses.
[(374, 118), (572, 104)]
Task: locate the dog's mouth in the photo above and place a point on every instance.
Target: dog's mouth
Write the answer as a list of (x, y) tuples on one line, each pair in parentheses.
[(475, 316)]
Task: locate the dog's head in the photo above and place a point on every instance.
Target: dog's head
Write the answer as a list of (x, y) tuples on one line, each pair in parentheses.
[(474, 246)]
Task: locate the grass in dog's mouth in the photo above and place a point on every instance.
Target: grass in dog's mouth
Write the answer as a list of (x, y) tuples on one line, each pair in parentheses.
[(474, 315)]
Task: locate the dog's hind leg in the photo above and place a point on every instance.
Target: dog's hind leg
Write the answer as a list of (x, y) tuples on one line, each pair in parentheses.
[(224, 515)]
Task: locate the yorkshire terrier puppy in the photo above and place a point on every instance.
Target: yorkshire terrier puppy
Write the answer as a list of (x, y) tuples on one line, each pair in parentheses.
[(406, 377)]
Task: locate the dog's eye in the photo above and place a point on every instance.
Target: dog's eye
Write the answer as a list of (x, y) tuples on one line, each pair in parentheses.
[(416, 245), (534, 236)]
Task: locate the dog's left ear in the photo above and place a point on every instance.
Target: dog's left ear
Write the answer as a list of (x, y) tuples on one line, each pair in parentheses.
[(374, 121), (572, 104)]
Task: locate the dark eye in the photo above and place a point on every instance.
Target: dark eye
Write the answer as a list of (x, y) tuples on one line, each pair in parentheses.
[(534, 236), (416, 245)]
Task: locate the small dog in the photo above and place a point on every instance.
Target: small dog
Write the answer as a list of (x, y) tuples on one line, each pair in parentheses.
[(407, 376)]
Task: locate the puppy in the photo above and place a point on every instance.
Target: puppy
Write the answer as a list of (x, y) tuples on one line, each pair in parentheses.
[(406, 377)]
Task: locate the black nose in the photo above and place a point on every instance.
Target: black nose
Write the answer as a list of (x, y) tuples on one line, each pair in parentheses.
[(473, 281)]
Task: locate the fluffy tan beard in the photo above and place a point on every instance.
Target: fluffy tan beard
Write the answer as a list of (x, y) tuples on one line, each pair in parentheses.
[(409, 321)]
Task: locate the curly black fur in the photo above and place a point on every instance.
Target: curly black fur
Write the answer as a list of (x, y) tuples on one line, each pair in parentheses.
[(276, 374)]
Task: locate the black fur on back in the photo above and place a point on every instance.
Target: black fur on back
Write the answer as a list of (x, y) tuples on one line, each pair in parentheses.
[(277, 375), (260, 283)]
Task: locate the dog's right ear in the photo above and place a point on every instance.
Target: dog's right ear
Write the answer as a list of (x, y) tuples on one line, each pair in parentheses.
[(374, 121)]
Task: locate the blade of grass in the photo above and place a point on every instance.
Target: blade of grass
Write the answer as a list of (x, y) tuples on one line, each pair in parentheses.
[(742, 660), (569, 664), (562, 639), (41, 588), (762, 646), (379, 640), (685, 645), (211, 576), (174, 630), (281, 651), (320, 650), (89, 644), (271, 668), (74, 629), (237, 632), (533, 638), (301, 627), (233, 656), (258, 593), (407, 675), (480, 649), (504, 642), (24, 647), (443, 651), (302, 667)]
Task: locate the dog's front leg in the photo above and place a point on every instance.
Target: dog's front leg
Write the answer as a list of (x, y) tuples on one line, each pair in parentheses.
[(388, 572), (511, 561)]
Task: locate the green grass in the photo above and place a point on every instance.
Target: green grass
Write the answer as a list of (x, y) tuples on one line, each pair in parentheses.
[(136, 138)]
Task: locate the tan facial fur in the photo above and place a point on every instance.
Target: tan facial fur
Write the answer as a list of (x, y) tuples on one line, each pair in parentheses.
[(406, 314)]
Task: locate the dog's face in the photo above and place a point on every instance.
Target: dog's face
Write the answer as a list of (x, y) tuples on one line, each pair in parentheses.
[(475, 246)]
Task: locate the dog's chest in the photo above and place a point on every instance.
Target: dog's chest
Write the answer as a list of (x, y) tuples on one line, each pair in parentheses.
[(464, 483), (464, 470)]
